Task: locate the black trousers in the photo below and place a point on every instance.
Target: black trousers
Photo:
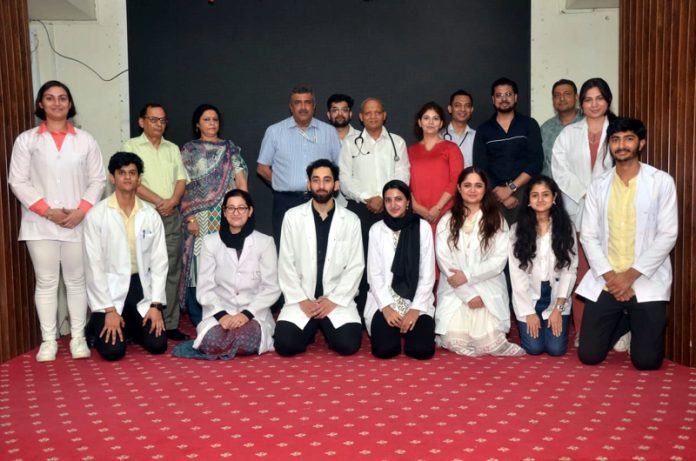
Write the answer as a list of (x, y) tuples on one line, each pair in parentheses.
[(282, 202), (607, 319), (290, 340), (133, 329), (367, 219), (419, 343)]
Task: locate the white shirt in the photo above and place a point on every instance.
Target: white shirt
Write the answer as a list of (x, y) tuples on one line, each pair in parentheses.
[(465, 142), (62, 178), (364, 175)]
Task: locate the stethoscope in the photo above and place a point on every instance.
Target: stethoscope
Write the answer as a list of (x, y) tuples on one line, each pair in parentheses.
[(362, 142), (447, 136)]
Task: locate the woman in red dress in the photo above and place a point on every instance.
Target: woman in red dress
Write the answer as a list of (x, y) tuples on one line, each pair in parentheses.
[(435, 165)]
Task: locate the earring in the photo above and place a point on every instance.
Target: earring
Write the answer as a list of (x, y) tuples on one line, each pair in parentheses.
[(553, 203), (529, 205)]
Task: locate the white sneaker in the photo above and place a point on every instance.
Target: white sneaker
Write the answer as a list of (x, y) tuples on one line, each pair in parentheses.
[(47, 351), (79, 349), (624, 343)]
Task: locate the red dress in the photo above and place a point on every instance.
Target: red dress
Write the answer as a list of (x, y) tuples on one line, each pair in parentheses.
[(434, 172)]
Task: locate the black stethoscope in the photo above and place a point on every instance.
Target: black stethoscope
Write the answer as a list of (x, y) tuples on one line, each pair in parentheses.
[(447, 135), (362, 142)]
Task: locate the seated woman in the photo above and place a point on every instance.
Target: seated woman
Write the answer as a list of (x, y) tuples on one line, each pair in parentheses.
[(543, 263), (473, 314), (237, 284), (401, 274)]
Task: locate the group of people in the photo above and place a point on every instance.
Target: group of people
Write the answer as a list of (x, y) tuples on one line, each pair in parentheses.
[(421, 245)]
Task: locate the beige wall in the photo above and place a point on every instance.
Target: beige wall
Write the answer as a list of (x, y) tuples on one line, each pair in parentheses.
[(574, 44)]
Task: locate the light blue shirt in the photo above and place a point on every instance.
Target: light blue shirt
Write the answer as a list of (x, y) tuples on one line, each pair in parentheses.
[(465, 142), (288, 150)]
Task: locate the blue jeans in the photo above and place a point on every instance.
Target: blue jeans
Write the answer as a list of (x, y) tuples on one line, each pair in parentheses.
[(546, 341)]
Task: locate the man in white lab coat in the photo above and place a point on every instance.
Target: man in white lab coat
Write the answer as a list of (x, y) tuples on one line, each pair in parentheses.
[(125, 265), (319, 269), (628, 229)]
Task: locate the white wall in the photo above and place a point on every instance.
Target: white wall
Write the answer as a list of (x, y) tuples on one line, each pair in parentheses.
[(574, 44), (102, 106), (565, 44)]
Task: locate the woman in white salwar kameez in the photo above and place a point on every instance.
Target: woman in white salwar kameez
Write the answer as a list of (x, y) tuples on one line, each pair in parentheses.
[(472, 315)]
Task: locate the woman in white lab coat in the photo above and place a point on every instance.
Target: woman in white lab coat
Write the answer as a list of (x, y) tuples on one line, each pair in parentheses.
[(543, 262), (401, 274), (472, 314), (57, 173), (237, 284)]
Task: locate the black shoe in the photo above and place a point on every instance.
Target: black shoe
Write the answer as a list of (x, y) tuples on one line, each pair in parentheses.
[(177, 335)]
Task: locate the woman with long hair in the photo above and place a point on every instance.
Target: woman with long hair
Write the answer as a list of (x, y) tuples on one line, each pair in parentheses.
[(543, 261), (473, 314), (435, 164), (401, 273), (579, 156), (57, 173), (215, 166)]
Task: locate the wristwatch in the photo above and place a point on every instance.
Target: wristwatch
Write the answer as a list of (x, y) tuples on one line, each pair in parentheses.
[(559, 307), (512, 185), (158, 306)]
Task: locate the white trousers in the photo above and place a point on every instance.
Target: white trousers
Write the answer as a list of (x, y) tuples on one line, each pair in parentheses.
[(48, 257)]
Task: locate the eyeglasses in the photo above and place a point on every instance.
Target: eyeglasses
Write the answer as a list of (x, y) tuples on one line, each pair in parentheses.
[(503, 95), (336, 110), (155, 120), (237, 209)]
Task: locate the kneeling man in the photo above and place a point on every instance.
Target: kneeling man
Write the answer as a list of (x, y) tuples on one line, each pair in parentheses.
[(319, 269), (125, 265), (628, 229)]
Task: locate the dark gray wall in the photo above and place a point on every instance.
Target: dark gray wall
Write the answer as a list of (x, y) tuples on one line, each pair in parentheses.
[(245, 55)]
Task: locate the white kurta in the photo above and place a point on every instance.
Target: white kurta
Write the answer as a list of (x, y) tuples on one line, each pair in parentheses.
[(62, 178), (107, 257), (657, 227), (526, 284), (572, 168), (484, 274), (297, 264), (380, 255), (231, 284)]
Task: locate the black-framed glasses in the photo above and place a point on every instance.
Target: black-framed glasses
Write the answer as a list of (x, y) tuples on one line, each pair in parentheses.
[(237, 209), (154, 120)]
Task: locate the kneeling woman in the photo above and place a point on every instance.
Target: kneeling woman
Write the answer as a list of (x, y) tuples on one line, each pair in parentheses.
[(401, 274), (473, 314), (237, 284), (543, 263)]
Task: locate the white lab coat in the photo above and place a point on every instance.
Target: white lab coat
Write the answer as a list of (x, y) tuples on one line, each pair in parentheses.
[(380, 255), (62, 178), (484, 274), (571, 166), (228, 283), (526, 284), (297, 264), (657, 227), (107, 257)]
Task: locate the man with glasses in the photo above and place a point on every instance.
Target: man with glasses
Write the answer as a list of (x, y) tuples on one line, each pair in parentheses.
[(508, 148), (340, 113), (369, 159), (288, 147), (565, 99), (162, 184)]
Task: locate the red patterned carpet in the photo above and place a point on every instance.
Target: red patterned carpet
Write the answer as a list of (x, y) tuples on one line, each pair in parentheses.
[(322, 406)]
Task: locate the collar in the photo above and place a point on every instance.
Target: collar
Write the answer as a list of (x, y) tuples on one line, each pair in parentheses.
[(450, 129), (312, 123), (316, 214), (142, 139), (43, 128), (111, 202)]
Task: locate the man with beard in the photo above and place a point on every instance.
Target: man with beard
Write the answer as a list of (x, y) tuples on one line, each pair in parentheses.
[(287, 147), (508, 148), (319, 269), (370, 159), (340, 113), (565, 98), (461, 107), (629, 227)]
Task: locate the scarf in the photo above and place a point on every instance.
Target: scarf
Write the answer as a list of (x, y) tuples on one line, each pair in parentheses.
[(406, 264), (235, 241)]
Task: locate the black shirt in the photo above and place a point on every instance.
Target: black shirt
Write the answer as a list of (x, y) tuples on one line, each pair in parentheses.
[(322, 228)]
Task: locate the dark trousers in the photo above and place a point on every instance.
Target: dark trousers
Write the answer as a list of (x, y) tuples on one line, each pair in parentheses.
[(510, 215), (172, 230), (419, 343), (134, 328), (367, 219), (607, 319), (290, 340), (282, 202)]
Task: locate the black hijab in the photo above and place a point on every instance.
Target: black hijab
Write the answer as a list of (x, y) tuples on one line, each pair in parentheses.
[(235, 241)]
